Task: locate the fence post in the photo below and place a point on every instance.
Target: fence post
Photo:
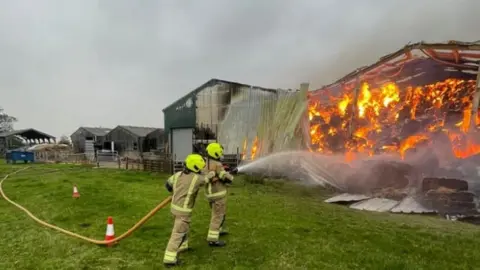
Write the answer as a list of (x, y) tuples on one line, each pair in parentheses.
[(126, 163)]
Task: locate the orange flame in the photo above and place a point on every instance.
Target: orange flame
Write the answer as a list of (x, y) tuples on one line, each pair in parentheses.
[(377, 111), (244, 149), (254, 148)]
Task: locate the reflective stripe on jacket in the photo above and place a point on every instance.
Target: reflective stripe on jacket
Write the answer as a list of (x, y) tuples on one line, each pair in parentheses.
[(185, 191), (217, 189)]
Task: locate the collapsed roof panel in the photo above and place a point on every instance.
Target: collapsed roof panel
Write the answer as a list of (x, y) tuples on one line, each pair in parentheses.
[(375, 204), (347, 197), (415, 64), (409, 205)]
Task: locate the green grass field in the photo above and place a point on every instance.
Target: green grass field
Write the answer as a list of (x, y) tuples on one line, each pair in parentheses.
[(272, 226)]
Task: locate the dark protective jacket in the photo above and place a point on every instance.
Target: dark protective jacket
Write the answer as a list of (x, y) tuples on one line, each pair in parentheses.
[(184, 188), (217, 188)]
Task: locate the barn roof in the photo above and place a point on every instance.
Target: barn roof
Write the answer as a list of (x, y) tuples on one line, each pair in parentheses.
[(139, 131), (414, 64), (97, 131), (214, 81), (28, 134)]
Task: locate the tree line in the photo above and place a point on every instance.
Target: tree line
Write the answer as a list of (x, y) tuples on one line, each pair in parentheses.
[(6, 121)]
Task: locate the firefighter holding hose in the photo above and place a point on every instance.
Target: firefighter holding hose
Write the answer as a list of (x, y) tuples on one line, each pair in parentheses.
[(184, 187), (216, 192)]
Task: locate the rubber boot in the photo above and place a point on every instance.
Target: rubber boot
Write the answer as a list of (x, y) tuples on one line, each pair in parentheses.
[(218, 243), (168, 265), (223, 232)]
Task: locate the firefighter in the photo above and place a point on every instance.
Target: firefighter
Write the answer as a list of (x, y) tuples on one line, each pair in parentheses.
[(216, 192), (184, 187)]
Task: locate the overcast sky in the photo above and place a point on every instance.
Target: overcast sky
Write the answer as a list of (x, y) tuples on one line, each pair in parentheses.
[(71, 63)]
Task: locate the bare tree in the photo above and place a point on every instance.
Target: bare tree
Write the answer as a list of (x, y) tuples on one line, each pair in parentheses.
[(65, 140), (6, 121)]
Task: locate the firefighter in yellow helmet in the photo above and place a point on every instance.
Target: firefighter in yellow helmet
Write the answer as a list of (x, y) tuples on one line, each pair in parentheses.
[(184, 186), (216, 192)]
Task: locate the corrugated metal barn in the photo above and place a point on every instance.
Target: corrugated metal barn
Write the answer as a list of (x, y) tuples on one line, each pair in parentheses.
[(195, 119), (92, 134), (14, 139), (128, 139)]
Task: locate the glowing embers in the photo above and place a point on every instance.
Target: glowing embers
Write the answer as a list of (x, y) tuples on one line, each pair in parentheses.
[(394, 120)]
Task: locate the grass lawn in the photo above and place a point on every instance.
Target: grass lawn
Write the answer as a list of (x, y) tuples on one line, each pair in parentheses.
[(272, 226)]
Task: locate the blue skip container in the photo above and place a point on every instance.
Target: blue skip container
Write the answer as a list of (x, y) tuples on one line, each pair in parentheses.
[(14, 156)]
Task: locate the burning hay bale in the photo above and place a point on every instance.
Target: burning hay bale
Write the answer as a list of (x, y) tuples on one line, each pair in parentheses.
[(388, 119)]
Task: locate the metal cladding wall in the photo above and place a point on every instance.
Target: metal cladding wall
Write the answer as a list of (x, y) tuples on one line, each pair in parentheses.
[(231, 111), (242, 117), (269, 122), (180, 114), (236, 115)]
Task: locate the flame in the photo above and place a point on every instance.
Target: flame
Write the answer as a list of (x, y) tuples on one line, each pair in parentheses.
[(464, 125), (342, 105), (462, 146), (379, 114), (254, 148), (244, 149), (411, 142)]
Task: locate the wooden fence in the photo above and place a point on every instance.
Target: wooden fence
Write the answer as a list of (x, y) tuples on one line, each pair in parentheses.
[(159, 163)]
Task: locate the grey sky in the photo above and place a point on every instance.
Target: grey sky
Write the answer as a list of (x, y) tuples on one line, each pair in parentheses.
[(67, 63)]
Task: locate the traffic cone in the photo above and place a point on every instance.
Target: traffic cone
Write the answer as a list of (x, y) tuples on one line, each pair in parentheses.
[(110, 234), (75, 192)]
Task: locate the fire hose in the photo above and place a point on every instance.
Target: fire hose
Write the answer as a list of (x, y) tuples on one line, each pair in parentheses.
[(164, 203)]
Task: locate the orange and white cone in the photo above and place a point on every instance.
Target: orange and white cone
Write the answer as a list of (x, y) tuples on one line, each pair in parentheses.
[(76, 194), (110, 234)]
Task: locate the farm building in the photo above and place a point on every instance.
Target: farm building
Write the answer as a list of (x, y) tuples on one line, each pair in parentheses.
[(18, 138), (84, 138), (135, 140), (197, 118), (408, 130), (423, 88)]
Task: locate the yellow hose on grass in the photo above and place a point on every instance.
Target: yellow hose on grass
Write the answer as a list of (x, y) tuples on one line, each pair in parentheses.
[(72, 234)]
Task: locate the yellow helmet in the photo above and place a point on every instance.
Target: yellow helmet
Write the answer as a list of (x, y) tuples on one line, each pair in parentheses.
[(194, 163), (215, 150)]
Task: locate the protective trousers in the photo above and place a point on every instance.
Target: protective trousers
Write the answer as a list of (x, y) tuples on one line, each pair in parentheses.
[(178, 239), (217, 220)]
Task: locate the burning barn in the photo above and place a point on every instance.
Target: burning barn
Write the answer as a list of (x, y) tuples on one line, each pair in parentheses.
[(240, 116), (407, 129), (401, 135)]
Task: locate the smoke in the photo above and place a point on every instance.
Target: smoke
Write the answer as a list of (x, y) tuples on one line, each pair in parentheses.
[(366, 173), (303, 166), (389, 25)]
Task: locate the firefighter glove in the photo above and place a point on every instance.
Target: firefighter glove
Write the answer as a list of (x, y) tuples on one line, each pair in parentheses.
[(228, 179), (168, 187), (210, 174)]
